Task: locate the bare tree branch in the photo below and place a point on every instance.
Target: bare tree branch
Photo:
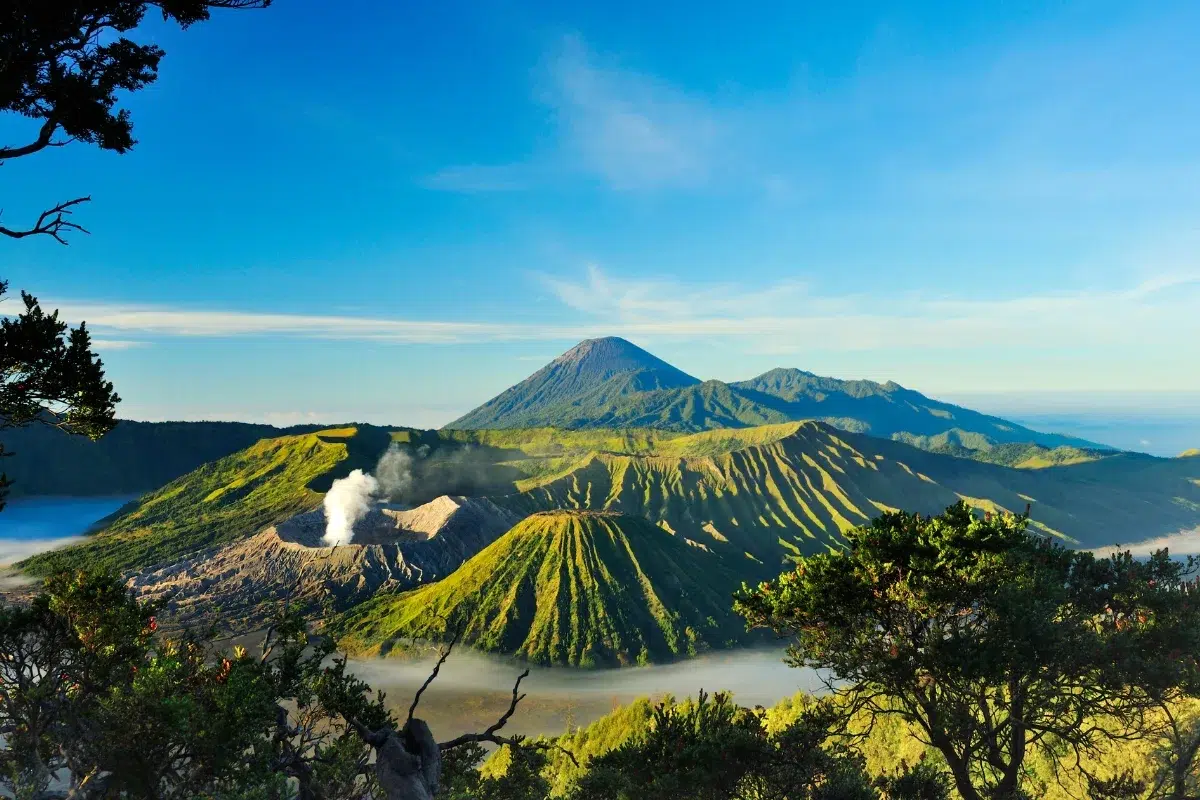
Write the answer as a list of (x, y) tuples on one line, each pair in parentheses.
[(489, 735), (51, 223), (436, 669), (44, 140)]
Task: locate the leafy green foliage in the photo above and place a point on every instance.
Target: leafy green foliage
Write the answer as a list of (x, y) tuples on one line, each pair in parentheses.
[(566, 587), (87, 687), (993, 642), (713, 750), (49, 375)]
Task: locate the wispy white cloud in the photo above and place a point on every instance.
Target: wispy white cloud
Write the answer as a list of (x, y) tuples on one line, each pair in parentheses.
[(118, 344), (14, 550), (623, 127), (642, 300), (476, 178), (1151, 320), (168, 321), (1156, 314), (631, 130), (1184, 543)]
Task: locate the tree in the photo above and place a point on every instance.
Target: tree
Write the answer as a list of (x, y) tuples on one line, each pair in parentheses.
[(711, 749), (64, 63), (91, 691), (49, 375), (992, 641)]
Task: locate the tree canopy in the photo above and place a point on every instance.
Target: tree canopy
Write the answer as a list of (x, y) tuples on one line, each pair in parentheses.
[(64, 64), (993, 641), (49, 375)]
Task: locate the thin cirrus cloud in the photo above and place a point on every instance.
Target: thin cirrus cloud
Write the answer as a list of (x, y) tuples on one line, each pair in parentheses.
[(625, 128), (1155, 315)]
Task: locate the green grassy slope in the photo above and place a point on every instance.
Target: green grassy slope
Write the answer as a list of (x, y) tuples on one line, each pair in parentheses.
[(752, 495), (965, 444), (228, 499), (134, 457), (567, 587), (764, 493)]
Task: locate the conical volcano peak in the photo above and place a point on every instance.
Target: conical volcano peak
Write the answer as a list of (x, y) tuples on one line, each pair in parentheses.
[(611, 355), (567, 392)]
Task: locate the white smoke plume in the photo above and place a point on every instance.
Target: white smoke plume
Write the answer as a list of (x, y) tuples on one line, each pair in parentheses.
[(347, 500), (394, 473)]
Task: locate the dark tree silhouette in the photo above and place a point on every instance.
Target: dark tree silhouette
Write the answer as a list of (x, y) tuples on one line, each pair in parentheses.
[(62, 64), (992, 641), (49, 375)]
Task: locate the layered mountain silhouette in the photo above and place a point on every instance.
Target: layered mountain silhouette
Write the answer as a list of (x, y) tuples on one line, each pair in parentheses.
[(612, 383)]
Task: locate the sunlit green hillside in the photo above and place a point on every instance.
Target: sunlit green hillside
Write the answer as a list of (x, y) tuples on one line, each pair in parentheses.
[(228, 499), (568, 587), (764, 493), (753, 495)]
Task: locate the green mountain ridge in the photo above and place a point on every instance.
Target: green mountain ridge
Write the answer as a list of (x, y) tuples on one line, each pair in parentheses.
[(577, 588), (223, 501), (755, 495), (133, 457), (611, 383), (766, 493)]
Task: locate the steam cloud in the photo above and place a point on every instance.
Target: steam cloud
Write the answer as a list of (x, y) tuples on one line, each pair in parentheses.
[(394, 472), (459, 470), (347, 500)]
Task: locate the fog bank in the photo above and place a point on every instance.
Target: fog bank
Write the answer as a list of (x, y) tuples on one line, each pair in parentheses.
[(472, 689)]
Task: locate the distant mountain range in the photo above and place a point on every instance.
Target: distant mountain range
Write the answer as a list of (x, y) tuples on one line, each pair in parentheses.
[(135, 457), (612, 383)]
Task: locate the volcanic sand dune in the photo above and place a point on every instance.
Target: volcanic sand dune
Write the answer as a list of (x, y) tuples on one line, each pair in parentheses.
[(235, 583)]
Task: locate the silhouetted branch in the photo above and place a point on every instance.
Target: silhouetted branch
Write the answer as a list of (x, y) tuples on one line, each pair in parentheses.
[(44, 140), (51, 223), (436, 669), (489, 735)]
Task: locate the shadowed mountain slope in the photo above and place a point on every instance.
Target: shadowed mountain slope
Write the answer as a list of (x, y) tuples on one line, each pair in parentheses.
[(567, 587), (761, 494), (610, 383), (133, 457), (592, 374)]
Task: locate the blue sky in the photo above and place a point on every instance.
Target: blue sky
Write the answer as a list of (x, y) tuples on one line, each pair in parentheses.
[(385, 212)]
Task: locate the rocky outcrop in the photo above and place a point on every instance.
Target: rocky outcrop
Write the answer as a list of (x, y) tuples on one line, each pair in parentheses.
[(393, 549)]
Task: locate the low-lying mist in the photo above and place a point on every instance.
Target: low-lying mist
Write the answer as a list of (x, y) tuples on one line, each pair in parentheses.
[(473, 689), (1184, 543)]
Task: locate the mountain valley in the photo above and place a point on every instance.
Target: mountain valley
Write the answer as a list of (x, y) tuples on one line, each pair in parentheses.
[(592, 545)]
